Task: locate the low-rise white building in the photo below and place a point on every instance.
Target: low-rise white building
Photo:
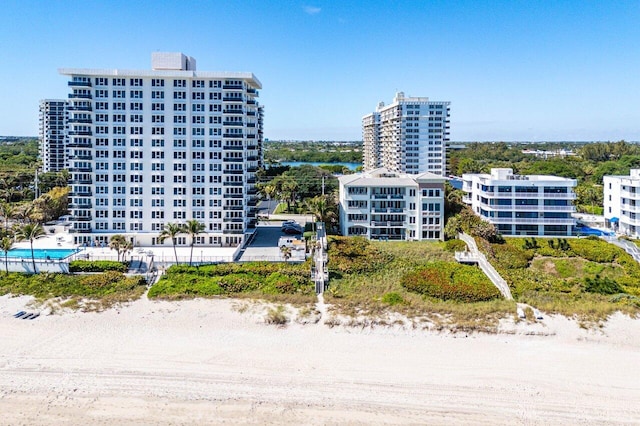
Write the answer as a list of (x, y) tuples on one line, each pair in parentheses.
[(380, 204), (522, 204), (622, 202)]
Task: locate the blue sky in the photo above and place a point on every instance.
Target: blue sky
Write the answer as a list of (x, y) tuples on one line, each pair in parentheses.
[(513, 70)]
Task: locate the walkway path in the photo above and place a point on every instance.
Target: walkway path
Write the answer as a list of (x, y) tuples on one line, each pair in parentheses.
[(486, 267)]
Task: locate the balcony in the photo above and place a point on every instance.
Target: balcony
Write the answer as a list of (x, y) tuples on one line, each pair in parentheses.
[(80, 96), (387, 224), (233, 219), (232, 99), (233, 196), (251, 136), (81, 157), (252, 191), (229, 183), (252, 180), (232, 147), (81, 230), (80, 169), (252, 169), (234, 172), (85, 181), (79, 108), (77, 144), (233, 159), (83, 206), (252, 202), (251, 101), (234, 208), (252, 90), (81, 194), (252, 147), (232, 86), (232, 231), (233, 111), (380, 196), (80, 120), (81, 218), (251, 124), (74, 83), (232, 123), (252, 158), (251, 113), (233, 135), (80, 133)]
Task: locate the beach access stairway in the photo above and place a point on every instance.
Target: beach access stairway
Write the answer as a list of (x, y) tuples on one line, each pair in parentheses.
[(627, 246), (473, 255), (319, 270)]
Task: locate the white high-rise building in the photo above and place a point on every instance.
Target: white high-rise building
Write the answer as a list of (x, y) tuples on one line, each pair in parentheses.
[(622, 202), (522, 204), (53, 122), (408, 136), (166, 145), (381, 204)]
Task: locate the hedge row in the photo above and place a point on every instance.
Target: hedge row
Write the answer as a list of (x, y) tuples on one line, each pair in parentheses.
[(97, 266)]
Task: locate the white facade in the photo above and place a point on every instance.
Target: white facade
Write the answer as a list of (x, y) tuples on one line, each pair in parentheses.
[(408, 136), (53, 121), (381, 204), (522, 205), (622, 203), (167, 145)]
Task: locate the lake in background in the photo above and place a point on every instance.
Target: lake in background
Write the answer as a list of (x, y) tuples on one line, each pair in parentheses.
[(350, 166)]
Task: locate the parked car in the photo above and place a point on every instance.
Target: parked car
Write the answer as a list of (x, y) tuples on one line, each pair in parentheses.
[(292, 230)]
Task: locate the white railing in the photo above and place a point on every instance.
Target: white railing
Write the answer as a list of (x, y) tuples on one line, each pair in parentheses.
[(486, 267)]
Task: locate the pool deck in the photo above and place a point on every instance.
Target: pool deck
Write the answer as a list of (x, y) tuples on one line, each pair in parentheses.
[(160, 254)]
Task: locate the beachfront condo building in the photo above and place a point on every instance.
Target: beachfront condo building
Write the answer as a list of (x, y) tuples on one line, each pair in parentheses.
[(386, 205), (622, 203), (166, 145), (522, 204), (408, 136), (52, 133)]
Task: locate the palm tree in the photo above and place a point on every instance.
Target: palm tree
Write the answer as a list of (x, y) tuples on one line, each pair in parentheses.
[(30, 232), (126, 248), (285, 252), (117, 243), (7, 211), (171, 230), (323, 207), (193, 228), (269, 191), (6, 244)]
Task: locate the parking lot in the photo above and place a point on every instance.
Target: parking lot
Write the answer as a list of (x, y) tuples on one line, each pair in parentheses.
[(265, 244)]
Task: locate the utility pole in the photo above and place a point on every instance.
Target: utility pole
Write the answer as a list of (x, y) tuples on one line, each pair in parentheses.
[(37, 190), (322, 185)]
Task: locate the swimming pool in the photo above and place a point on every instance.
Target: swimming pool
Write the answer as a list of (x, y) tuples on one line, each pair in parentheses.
[(585, 230), (39, 253)]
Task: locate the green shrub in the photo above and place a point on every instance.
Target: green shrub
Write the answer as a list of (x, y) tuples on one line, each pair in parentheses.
[(97, 266), (392, 298), (355, 255), (601, 285), (455, 245), (450, 281)]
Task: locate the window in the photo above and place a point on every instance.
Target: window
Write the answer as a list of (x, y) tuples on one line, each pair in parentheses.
[(180, 95), (157, 94), (135, 106), (157, 82), (179, 83), (180, 119), (119, 106), (156, 106), (135, 82), (119, 94), (119, 82), (180, 107)]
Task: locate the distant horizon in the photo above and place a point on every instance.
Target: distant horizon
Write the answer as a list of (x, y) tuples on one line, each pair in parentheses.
[(3, 137)]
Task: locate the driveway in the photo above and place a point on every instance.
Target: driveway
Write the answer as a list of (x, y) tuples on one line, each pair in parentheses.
[(265, 244)]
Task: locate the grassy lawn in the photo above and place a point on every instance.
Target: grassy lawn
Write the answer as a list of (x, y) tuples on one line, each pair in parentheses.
[(87, 292), (587, 277), (277, 282), (280, 208), (366, 279)]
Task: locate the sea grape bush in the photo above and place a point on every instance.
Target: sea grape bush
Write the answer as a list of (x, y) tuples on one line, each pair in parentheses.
[(450, 281)]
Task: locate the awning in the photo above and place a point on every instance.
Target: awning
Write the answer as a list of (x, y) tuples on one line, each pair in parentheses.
[(614, 220)]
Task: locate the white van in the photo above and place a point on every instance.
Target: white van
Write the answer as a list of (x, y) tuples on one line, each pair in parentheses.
[(291, 242)]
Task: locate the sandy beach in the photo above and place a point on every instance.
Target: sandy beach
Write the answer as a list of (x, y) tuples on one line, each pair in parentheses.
[(203, 362)]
